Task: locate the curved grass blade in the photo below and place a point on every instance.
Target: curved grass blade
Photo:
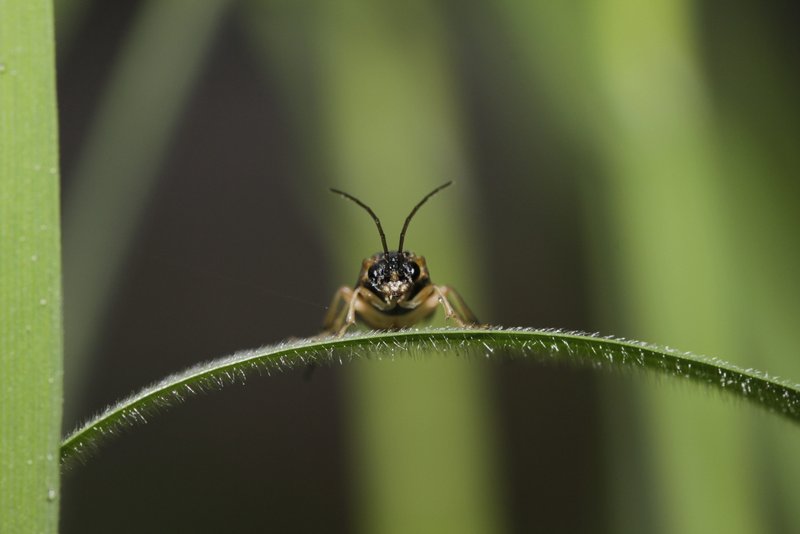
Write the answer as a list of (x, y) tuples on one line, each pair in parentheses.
[(774, 394)]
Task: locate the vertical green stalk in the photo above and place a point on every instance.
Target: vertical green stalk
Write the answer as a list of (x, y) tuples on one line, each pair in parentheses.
[(626, 80), (375, 101), (421, 429), (760, 126), (30, 271), (661, 151)]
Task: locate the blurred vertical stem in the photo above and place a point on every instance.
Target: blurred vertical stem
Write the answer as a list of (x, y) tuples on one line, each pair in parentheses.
[(661, 152), (423, 437), (30, 271), (389, 134), (760, 127), (555, 42), (148, 91), (651, 124)]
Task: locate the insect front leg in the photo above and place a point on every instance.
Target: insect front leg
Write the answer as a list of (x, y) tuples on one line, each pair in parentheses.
[(350, 317), (338, 311), (460, 313)]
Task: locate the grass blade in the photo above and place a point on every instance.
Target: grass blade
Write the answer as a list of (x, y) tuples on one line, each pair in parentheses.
[(754, 386), (30, 271)]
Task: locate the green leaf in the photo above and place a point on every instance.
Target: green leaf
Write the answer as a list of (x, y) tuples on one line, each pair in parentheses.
[(30, 271), (552, 345)]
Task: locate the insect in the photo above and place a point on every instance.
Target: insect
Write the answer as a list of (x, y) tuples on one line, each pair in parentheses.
[(394, 289)]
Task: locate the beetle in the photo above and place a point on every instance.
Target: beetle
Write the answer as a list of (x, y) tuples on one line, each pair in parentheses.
[(394, 289)]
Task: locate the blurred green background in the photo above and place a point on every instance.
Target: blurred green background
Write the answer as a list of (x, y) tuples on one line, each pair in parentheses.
[(623, 167)]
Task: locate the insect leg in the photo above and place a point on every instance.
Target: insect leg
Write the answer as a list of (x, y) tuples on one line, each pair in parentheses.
[(461, 313), (465, 312), (350, 317), (337, 311)]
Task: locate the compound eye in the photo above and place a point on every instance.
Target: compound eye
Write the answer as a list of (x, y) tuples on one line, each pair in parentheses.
[(374, 272), (413, 270)]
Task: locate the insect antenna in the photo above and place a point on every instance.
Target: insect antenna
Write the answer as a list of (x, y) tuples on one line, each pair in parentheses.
[(369, 210), (410, 215)]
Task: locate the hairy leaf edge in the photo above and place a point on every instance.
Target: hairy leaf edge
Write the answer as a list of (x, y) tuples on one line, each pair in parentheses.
[(772, 393)]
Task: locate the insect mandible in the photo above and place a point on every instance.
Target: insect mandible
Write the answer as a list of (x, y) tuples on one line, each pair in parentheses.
[(394, 289)]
